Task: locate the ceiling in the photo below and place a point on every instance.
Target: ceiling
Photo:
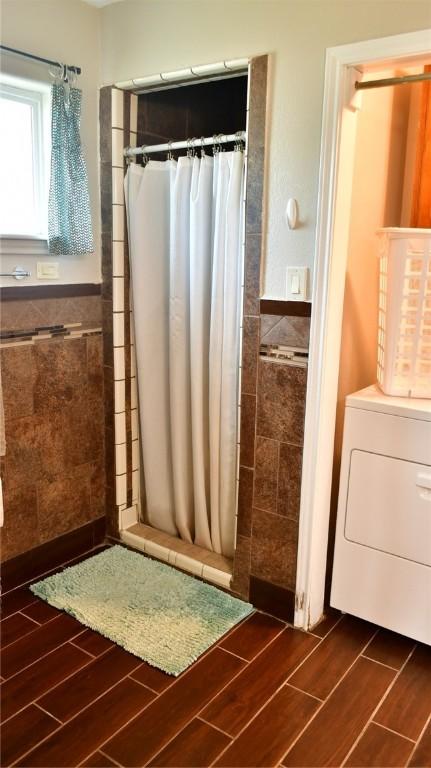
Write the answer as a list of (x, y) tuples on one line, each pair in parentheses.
[(101, 3)]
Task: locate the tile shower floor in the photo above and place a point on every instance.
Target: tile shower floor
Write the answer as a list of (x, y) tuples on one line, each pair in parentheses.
[(266, 695)]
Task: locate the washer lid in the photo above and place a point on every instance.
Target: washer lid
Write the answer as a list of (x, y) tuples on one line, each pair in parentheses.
[(372, 399)]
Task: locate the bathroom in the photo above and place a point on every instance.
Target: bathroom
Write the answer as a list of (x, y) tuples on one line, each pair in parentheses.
[(75, 474)]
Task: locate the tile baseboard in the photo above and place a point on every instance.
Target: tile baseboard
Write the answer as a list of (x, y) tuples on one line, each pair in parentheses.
[(34, 563), (282, 307), (57, 291), (272, 599)]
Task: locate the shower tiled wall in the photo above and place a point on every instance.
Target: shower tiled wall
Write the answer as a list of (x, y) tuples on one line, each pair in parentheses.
[(118, 129), (272, 393), (53, 470), (272, 409)]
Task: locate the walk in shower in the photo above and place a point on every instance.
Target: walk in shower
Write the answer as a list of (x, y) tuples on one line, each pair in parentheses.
[(179, 188)]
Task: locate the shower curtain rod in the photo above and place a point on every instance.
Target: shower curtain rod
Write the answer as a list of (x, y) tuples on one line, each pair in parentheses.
[(364, 84), (194, 143), (32, 56)]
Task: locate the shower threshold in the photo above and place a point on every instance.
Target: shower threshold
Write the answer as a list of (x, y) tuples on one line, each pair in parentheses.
[(189, 557)]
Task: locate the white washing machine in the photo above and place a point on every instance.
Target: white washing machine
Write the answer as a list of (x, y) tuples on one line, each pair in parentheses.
[(382, 558)]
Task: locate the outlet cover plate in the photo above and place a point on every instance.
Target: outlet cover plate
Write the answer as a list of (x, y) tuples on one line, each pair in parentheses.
[(48, 270)]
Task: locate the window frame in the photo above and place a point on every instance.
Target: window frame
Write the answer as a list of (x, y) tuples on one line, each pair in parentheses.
[(37, 95)]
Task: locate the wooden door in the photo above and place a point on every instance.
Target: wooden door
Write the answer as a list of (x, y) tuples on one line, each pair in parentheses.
[(421, 199)]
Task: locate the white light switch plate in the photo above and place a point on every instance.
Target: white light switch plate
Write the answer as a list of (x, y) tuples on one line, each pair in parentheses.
[(48, 270), (296, 283)]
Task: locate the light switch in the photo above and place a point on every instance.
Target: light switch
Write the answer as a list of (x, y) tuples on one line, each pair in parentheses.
[(48, 270), (296, 283)]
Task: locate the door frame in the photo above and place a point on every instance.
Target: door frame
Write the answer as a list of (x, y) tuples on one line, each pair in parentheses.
[(333, 214)]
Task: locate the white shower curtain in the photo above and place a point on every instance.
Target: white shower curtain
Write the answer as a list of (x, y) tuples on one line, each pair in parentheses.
[(185, 231)]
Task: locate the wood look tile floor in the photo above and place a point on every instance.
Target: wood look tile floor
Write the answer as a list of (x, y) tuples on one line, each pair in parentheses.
[(347, 694)]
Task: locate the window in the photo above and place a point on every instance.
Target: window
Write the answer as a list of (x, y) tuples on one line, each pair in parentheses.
[(24, 158)]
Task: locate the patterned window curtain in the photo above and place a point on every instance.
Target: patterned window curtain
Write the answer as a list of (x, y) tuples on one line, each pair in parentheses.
[(69, 215)]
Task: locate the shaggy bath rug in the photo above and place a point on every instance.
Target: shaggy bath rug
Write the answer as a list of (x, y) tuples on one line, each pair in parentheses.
[(152, 610)]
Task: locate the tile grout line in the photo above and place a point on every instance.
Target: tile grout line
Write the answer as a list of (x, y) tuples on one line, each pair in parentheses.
[(124, 725), (278, 478), (44, 655), (11, 642), (13, 613), (39, 706), (343, 676), (231, 653), (71, 719), (220, 730), (163, 746), (34, 701), (88, 652), (257, 713), (340, 618), (109, 758), (427, 723), (378, 705), (246, 665), (21, 612), (391, 730), (295, 688), (225, 650), (144, 685), (382, 663)]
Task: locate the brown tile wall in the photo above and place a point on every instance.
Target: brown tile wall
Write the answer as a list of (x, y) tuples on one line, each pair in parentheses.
[(53, 471), (291, 331), (272, 410), (24, 314)]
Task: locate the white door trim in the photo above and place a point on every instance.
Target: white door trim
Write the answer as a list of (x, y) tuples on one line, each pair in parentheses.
[(336, 165)]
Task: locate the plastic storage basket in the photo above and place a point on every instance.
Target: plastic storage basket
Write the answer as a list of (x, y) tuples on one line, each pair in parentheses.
[(404, 335)]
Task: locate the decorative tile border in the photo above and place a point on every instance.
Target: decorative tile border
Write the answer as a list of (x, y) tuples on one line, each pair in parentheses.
[(35, 335)]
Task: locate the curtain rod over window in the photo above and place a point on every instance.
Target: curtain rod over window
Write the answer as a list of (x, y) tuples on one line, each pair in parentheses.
[(402, 80), (70, 67)]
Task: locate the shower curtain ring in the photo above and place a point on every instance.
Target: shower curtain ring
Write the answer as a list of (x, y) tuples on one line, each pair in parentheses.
[(239, 142), (216, 144), (169, 156)]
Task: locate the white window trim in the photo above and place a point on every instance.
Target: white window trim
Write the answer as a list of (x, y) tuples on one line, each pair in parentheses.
[(37, 95)]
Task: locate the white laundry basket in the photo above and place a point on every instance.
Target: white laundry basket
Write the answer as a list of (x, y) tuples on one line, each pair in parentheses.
[(404, 335)]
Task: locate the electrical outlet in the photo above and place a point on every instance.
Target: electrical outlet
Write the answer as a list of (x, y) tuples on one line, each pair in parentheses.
[(296, 283), (48, 270)]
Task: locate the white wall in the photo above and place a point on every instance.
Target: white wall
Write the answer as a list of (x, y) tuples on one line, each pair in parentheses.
[(68, 31), (141, 37), (377, 193)]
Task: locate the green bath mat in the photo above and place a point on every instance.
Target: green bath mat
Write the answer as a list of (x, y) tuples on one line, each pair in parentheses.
[(152, 610)]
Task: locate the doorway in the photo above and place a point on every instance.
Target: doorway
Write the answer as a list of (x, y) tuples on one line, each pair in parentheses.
[(345, 65)]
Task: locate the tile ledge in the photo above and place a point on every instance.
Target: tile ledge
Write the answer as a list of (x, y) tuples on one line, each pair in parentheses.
[(183, 562)]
